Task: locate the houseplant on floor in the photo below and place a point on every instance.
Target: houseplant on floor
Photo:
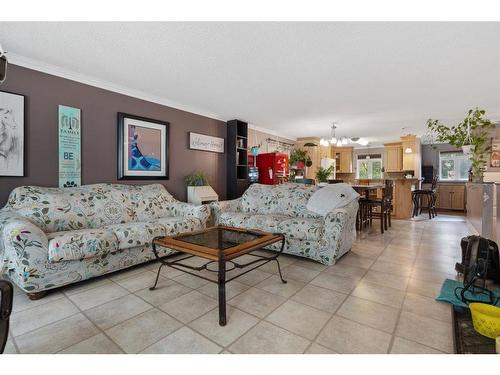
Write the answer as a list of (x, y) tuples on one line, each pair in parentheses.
[(472, 135), (322, 175)]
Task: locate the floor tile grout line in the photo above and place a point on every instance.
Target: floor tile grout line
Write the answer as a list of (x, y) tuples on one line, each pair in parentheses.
[(340, 305), (45, 325), (95, 325), (393, 336), (182, 323)]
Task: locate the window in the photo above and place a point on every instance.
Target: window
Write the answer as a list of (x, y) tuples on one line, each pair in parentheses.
[(453, 166), (369, 166)]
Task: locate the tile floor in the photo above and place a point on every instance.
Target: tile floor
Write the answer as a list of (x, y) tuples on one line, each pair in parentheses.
[(379, 298)]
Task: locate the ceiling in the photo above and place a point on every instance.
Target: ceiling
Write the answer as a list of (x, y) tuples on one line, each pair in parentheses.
[(293, 78)]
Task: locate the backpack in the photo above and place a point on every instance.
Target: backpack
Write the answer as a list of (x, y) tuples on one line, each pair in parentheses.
[(487, 251)]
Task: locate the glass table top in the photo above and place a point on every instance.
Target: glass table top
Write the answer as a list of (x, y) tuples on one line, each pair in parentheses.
[(219, 238)]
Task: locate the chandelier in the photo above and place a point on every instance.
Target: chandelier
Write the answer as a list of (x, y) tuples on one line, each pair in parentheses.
[(341, 141)]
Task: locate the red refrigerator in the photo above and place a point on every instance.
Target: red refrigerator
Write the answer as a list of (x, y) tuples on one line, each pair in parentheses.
[(273, 168)]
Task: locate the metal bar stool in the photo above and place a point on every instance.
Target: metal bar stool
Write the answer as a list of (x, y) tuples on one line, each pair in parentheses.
[(431, 197)]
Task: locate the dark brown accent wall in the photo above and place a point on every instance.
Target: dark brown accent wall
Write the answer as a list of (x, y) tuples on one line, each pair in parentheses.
[(44, 92)]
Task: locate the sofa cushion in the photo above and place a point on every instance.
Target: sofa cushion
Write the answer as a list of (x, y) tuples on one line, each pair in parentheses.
[(259, 199), (178, 224), (267, 223), (153, 202), (136, 234), (80, 244), (301, 228), (284, 199), (90, 206), (234, 219)]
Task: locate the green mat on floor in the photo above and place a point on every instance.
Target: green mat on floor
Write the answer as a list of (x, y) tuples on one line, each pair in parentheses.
[(447, 294)]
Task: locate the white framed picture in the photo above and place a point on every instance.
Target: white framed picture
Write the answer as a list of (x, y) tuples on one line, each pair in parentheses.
[(204, 142), (11, 134)]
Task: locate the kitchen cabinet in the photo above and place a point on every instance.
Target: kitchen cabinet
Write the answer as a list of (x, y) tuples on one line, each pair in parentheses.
[(393, 157), (325, 152), (343, 159), (412, 158), (451, 197)]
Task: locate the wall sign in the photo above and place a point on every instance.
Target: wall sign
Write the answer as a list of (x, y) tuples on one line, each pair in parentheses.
[(206, 143), (70, 133)]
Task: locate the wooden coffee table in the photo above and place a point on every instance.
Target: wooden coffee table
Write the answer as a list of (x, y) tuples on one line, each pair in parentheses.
[(221, 246)]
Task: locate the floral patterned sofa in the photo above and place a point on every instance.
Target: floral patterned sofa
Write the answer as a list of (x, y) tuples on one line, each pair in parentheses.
[(282, 209), (51, 237)]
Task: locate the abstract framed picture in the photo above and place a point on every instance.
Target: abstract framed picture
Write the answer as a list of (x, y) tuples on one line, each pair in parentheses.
[(142, 148), (11, 134)]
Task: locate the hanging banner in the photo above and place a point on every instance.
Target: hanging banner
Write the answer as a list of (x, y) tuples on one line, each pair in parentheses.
[(70, 133)]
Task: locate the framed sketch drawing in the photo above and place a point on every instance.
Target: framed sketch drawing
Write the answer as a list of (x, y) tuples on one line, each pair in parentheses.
[(11, 134), (205, 142), (142, 148)]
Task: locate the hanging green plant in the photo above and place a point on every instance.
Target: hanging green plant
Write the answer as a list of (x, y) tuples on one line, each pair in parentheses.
[(472, 135), (297, 155)]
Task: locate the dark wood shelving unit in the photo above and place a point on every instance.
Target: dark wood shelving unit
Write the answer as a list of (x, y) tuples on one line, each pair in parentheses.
[(237, 158)]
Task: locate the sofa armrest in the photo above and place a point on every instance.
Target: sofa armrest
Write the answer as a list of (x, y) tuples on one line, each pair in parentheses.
[(218, 208), (201, 212), (23, 248), (339, 230)]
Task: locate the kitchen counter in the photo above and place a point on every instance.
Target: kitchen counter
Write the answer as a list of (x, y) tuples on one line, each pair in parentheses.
[(402, 202)]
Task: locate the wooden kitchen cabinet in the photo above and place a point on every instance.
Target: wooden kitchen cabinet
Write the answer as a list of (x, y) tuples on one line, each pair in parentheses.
[(393, 157), (325, 152), (451, 197), (343, 159)]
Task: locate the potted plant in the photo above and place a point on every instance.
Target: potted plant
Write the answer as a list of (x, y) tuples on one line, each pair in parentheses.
[(472, 135), (198, 189), (322, 175), (298, 158)]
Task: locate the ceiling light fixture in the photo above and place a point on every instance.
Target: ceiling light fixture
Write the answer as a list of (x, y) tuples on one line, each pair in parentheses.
[(408, 150), (340, 141), (332, 141)]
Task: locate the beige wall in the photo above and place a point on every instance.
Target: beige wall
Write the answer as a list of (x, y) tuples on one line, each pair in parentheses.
[(257, 137)]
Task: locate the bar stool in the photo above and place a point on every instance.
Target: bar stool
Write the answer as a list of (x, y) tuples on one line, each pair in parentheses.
[(431, 197)]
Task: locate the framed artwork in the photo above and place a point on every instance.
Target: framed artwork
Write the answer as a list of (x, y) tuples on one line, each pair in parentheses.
[(11, 134), (70, 139), (142, 148), (205, 142), (495, 153)]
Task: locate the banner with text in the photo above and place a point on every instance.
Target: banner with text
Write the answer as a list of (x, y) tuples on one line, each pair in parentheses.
[(70, 133)]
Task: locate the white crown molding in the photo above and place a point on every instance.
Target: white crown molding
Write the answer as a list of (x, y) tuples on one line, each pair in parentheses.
[(40, 66), (271, 132), (29, 63)]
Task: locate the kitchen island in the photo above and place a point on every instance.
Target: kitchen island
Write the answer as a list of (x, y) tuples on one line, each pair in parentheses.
[(402, 202)]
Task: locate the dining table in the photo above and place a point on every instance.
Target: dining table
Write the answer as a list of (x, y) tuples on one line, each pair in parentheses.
[(366, 189)]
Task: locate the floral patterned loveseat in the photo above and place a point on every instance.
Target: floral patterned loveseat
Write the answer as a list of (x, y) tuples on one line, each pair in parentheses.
[(51, 237), (282, 209)]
